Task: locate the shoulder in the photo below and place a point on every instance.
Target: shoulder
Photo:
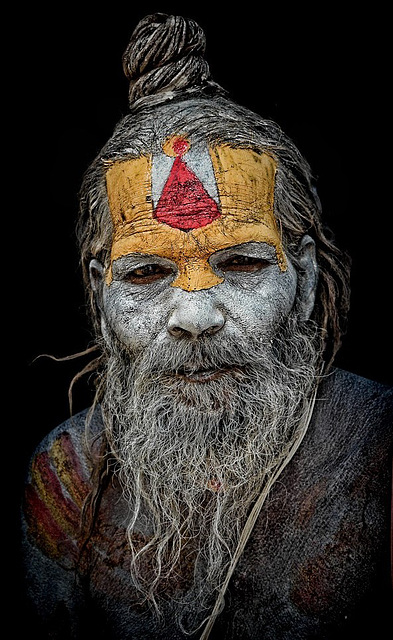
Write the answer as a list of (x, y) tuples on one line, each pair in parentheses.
[(57, 484), (355, 407), (341, 383), (349, 442)]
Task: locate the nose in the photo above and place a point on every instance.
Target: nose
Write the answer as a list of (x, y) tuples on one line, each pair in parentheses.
[(195, 316)]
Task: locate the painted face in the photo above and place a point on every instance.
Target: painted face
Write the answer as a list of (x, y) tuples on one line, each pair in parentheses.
[(196, 247), (189, 202)]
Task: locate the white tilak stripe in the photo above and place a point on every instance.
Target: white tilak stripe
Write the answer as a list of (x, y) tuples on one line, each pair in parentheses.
[(161, 168), (197, 159)]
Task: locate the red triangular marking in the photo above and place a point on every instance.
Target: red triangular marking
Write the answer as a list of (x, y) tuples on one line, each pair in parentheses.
[(184, 202)]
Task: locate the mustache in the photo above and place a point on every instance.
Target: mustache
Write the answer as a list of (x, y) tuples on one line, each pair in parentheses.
[(291, 342), (207, 353), (239, 356)]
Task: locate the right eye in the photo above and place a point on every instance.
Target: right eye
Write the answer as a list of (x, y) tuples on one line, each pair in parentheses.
[(244, 264), (147, 274)]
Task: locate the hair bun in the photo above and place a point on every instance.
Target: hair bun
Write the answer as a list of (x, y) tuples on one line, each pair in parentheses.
[(165, 54)]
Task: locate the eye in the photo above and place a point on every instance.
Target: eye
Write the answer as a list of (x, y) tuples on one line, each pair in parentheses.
[(245, 264), (147, 274)]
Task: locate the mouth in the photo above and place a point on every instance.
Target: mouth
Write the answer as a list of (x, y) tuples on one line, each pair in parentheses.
[(206, 375)]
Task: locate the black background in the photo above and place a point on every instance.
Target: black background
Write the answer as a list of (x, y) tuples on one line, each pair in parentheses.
[(322, 74)]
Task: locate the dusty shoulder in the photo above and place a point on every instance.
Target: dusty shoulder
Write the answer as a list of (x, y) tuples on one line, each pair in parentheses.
[(58, 482), (356, 405)]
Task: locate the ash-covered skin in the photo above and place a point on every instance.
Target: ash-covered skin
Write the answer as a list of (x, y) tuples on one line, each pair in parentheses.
[(141, 306)]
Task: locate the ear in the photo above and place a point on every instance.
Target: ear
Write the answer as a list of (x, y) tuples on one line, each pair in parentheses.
[(307, 277), (97, 281), (97, 273)]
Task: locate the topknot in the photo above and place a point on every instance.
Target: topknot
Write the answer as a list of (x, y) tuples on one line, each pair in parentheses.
[(164, 58)]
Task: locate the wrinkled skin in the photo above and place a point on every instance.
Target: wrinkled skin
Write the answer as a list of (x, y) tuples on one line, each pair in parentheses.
[(140, 305)]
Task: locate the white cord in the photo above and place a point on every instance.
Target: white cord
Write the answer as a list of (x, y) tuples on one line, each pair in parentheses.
[(252, 518)]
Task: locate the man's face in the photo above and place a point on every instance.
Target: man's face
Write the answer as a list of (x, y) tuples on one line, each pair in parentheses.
[(196, 249), (141, 307)]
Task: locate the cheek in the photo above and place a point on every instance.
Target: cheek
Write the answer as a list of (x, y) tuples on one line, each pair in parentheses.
[(262, 310), (135, 324)]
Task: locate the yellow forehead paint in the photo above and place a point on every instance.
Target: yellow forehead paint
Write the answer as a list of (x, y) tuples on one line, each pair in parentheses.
[(187, 226)]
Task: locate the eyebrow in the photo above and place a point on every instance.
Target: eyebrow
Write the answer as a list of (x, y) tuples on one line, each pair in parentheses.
[(253, 247)]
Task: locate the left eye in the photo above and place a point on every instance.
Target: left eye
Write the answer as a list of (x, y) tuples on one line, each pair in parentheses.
[(147, 274), (245, 264)]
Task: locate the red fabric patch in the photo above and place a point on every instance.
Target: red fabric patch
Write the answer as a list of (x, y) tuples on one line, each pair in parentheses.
[(184, 202)]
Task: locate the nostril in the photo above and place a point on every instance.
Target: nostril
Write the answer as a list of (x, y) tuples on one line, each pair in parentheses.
[(212, 330), (178, 332)]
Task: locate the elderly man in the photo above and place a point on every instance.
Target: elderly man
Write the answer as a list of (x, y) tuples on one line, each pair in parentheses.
[(228, 482)]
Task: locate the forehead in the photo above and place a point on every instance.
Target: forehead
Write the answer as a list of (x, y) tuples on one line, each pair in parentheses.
[(189, 201)]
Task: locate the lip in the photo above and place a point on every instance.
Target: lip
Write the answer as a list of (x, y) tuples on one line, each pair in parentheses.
[(204, 375)]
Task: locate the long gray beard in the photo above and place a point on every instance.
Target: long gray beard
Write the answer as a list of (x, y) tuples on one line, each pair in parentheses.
[(193, 457)]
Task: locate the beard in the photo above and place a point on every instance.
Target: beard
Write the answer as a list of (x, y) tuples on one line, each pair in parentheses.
[(193, 449)]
